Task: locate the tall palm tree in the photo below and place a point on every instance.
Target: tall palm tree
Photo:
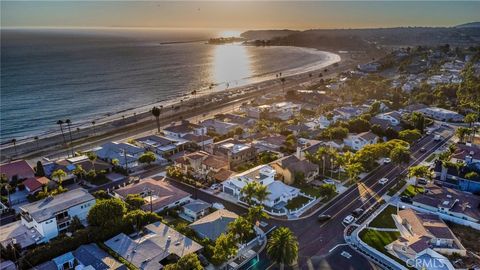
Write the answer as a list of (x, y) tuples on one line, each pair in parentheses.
[(60, 123), (248, 192), (14, 141), (36, 141), (69, 124), (241, 228), (93, 125), (92, 156), (156, 111), (255, 214), (79, 171), (282, 247), (59, 175), (261, 193)]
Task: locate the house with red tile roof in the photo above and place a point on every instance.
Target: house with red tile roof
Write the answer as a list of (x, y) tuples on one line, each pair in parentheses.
[(34, 185), (17, 170)]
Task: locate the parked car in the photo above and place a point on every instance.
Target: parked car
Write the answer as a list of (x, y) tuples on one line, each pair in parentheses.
[(406, 199), (218, 206), (383, 181), (358, 212), (322, 218), (422, 181), (386, 160), (348, 219)]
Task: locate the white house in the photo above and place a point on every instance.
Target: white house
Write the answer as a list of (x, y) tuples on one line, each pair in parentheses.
[(54, 214), (358, 141), (184, 128), (441, 114), (280, 193)]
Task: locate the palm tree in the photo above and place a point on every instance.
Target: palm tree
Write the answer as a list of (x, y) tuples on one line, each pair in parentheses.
[(255, 213), (156, 112), (461, 132), (248, 192), (92, 157), (93, 125), (69, 123), (59, 175), (282, 247), (60, 123), (261, 193), (241, 228), (14, 141), (36, 140), (79, 171)]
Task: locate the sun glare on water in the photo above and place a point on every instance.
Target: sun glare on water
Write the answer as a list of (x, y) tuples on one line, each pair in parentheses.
[(230, 62)]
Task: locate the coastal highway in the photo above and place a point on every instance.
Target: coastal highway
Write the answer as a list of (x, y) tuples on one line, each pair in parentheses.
[(316, 240)]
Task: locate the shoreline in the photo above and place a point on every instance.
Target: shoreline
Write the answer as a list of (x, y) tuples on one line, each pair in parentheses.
[(180, 97), (117, 129)]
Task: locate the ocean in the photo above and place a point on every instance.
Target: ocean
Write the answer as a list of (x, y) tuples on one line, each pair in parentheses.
[(86, 74)]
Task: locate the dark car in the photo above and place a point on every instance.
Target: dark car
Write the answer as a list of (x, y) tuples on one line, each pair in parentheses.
[(422, 181), (406, 199), (324, 217), (357, 212)]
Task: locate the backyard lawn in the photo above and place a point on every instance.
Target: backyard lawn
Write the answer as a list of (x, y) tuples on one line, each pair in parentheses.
[(297, 202), (378, 239), (310, 190), (384, 219), (412, 190)]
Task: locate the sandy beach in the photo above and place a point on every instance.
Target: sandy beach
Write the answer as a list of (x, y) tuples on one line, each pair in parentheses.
[(128, 123)]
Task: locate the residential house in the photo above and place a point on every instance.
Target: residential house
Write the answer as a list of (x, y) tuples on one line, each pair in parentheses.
[(280, 193), (468, 153), (213, 225), (88, 256), (281, 110), (347, 112), (158, 246), (235, 151), (242, 121), (394, 117), (219, 127), (35, 184), (271, 143), (127, 154), (201, 141), (158, 194), (17, 170), (195, 210), (423, 234), (450, 202), (291, 167), (184, 128), (451, 176), (162, 145), (441, 114), (68, 165), (358, 141), (52, 215), (203, 165), (298, 129)]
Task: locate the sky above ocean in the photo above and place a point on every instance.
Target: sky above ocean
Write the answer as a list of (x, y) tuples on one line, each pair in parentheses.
[(238, 14)]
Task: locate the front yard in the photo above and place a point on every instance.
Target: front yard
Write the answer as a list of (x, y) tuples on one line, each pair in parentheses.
[(378, 239), (412, 190), (297, 202), (384, 219)]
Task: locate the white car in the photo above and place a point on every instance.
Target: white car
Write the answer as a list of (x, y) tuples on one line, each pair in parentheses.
[(383, 181), (348, 219), (386, 160), (329, 181)]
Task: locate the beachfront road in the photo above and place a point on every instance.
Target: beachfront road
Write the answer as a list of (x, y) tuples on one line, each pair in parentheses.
[(316, 240)]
